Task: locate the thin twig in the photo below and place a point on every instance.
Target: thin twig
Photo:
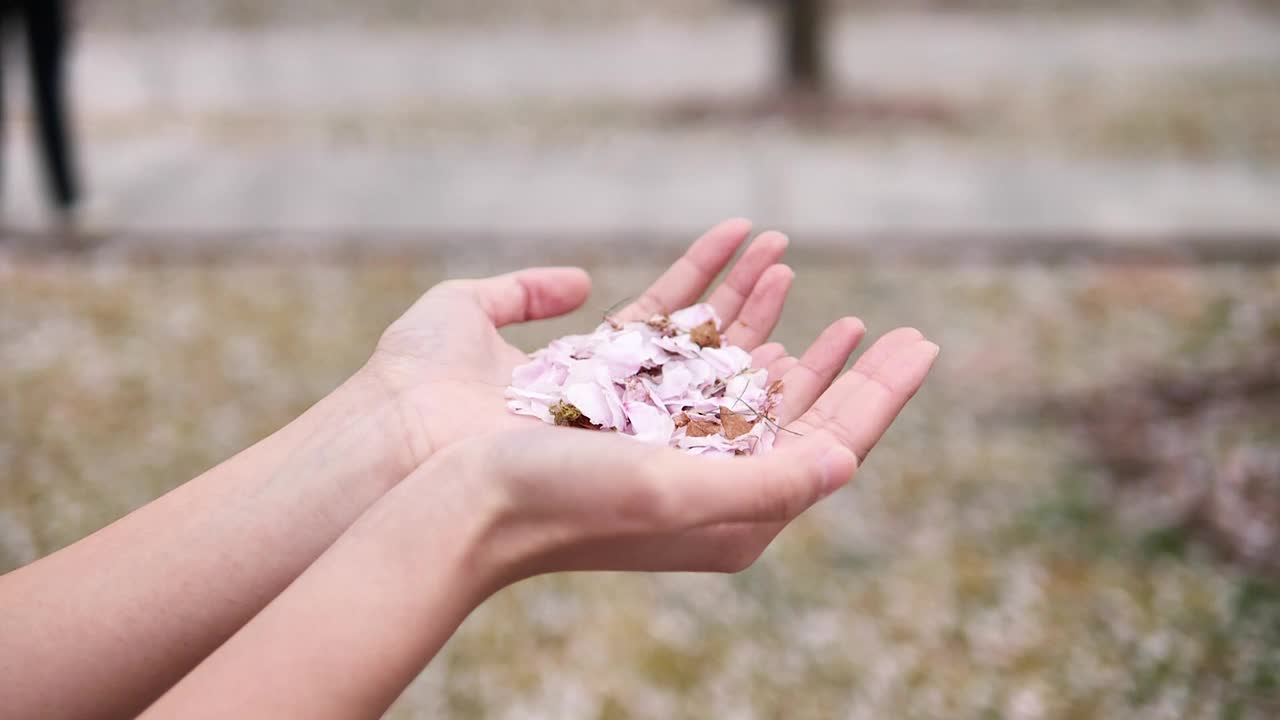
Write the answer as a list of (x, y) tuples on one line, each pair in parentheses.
[(767, 420), (608, 313)]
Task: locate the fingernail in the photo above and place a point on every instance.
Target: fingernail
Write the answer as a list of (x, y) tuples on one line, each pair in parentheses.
[(837, 467)]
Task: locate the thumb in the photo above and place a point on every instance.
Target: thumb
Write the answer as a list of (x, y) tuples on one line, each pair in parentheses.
[(530, 294), (771, 488)]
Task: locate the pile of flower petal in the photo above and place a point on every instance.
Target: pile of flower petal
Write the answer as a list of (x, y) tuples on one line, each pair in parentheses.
[(670, 380)]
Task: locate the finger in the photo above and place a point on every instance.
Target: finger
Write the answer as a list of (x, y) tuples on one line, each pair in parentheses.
[(827, 404), (887, 346), (819, 365), (881, 350), (732, 294), (652, 489), (530, 294), (865, 414), (777, 487), (767, 354), (780, 367), (762, 309), (665, 490), (686, 280), (884, 393)]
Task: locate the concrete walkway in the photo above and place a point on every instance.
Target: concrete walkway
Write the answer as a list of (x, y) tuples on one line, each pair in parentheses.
[(544, 129)]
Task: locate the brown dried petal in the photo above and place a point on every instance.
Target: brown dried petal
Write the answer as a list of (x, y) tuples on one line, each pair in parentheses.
[(680, 419), (734, 424), (702, 428), (706, 334)]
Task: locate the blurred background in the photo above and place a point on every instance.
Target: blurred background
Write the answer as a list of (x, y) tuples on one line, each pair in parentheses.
[(1078, 517)]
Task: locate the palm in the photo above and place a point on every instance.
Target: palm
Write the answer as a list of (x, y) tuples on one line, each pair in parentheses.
[(449, 363)]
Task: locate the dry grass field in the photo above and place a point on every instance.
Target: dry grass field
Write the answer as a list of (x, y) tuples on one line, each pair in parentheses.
[(983, 566)]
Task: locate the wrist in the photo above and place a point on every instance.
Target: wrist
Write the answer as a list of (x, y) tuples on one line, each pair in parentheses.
[(441, 521), (390, 401), (391, 425), (343, 453)]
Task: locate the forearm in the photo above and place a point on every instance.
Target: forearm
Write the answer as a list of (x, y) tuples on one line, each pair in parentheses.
[(103, 627), (345, 639)]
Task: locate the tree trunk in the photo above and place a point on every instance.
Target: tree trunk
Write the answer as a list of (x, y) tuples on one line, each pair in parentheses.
[(802, 24)]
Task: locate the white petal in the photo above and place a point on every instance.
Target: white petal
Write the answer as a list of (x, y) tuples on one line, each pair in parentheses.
[(625, 354), (649, 424), (592, 400), (693, 316), (678, 345), (534, 408), (726, 361), (585, 371), (677, 378)]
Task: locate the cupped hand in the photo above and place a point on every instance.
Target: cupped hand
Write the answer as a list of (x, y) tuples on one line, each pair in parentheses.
[(446, 366), (570, 499)]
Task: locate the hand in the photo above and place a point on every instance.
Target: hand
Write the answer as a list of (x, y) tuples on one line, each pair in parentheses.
[(446, 366), (519, 498), (569, 499)]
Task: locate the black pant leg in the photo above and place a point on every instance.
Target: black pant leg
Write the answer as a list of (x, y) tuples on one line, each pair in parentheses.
[(6, 14), (46, 23)]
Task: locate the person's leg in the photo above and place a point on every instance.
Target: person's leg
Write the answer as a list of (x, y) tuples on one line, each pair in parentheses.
[(46, 23), (6, 14)]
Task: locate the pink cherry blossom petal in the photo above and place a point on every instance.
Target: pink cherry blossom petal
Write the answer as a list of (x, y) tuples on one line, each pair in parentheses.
[(678, 345), (693, 316), (727, 361), (601, 406), (636, 378), (649, 424)]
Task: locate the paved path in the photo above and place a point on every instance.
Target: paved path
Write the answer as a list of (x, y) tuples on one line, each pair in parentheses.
[(526, 128)]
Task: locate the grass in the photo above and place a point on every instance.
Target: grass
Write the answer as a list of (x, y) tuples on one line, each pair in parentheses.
[(976, 570)]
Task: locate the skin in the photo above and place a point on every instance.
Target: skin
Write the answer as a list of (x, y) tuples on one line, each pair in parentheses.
[(408, 516)]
